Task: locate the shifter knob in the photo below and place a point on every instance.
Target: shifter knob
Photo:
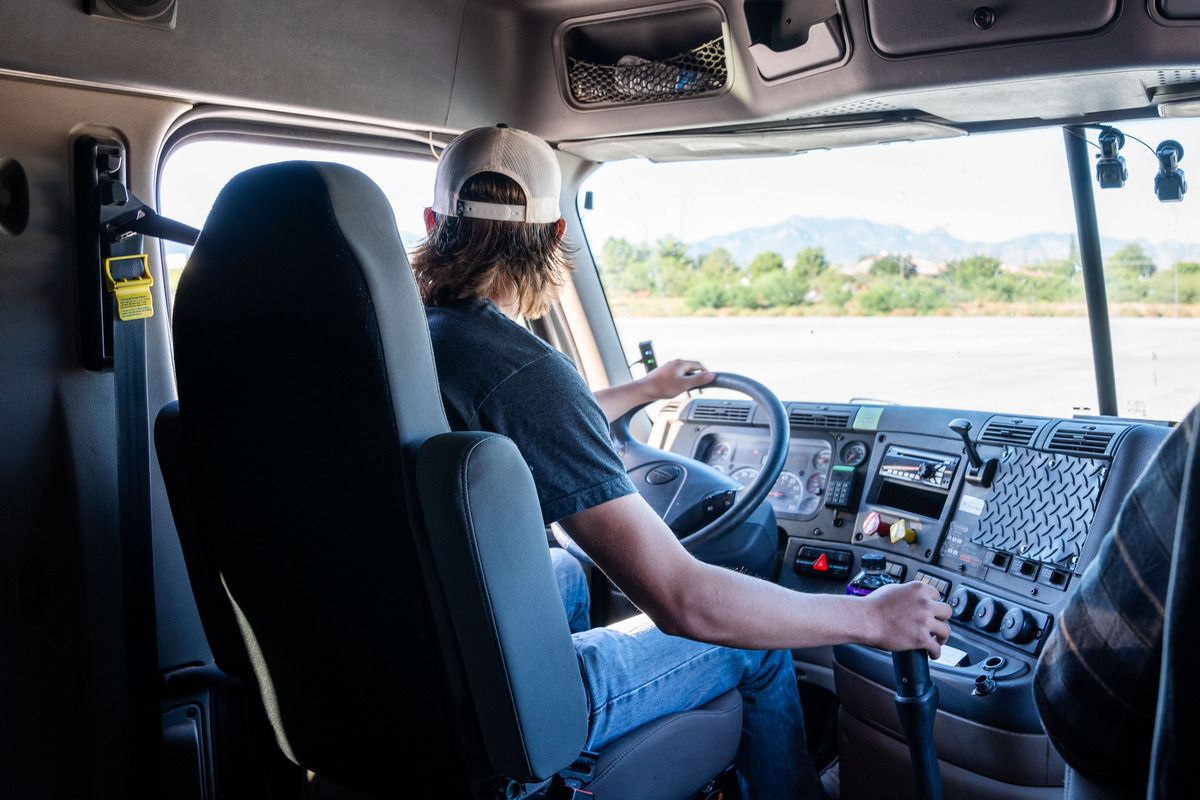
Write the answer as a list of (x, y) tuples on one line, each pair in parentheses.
[(963, 428)]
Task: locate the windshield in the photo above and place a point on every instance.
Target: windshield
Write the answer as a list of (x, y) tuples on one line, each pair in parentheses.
[(940, 273)]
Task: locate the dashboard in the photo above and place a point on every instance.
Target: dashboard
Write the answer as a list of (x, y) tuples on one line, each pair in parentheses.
[(1003, 540)]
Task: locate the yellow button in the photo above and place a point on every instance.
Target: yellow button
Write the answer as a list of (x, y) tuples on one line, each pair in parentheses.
[(901, 532)]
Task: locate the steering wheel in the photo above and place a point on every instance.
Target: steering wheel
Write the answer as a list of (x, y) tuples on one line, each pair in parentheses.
[(699, 503)]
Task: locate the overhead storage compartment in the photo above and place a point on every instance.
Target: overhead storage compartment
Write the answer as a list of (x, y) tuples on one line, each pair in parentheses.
[(665, 53), (903, 29)]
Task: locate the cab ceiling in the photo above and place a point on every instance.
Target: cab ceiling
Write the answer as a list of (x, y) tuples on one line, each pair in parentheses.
[(446, 65)]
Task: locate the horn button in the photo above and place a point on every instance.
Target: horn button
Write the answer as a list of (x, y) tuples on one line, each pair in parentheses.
[(664, 473)]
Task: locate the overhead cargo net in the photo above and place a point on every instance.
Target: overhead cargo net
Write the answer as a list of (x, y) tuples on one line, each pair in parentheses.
[(638, 80)]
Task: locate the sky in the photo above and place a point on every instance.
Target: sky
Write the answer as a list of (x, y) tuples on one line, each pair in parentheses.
[(980, 188)]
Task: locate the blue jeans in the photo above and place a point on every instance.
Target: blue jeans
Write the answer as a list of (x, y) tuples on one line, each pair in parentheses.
[(635, 673)]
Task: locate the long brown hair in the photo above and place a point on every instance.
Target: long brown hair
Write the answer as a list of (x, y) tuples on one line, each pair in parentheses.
[(465, 257)]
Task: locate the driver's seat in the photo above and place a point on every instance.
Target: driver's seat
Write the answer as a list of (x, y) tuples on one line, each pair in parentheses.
[(382, 584)]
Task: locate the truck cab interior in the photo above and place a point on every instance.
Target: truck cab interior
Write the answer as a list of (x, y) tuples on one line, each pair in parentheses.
[(941, 255)]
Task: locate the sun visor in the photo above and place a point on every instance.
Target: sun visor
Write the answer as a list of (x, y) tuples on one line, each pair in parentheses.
[(756, 144)]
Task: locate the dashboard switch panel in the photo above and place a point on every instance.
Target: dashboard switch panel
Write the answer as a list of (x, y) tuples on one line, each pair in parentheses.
[(942, 586), (831, 565)]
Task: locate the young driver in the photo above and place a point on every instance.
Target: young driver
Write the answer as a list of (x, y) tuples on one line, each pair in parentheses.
[(494, 252)]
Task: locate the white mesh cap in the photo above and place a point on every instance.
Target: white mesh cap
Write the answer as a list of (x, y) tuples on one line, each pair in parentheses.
[(518, 154)]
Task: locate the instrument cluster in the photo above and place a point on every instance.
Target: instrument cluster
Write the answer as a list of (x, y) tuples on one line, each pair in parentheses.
[(800, 489)]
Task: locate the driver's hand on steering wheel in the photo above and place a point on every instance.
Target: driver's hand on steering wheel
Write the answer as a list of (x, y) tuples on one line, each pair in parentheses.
[(674, 378)]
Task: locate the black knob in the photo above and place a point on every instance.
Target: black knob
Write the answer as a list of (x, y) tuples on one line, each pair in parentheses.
[(988, 614), (962, 604), (1018, 626), (983, 17)]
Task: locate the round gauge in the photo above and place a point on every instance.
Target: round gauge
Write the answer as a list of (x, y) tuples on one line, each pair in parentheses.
[(810, 505), (821, 460), (816, 484), (720, 452), (745, 475), (787, 492), (854, 454)]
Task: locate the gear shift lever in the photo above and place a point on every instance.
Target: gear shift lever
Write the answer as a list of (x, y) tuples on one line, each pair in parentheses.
[(916, 703), (981, 472)]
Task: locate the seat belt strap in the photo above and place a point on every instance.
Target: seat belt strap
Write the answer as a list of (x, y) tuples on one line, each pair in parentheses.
[(128, 283)]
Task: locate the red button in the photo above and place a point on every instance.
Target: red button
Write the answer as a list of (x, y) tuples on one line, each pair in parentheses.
[(821, 565)]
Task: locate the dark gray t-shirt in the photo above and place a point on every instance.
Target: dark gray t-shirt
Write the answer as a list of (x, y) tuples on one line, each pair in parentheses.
[(496, 376)]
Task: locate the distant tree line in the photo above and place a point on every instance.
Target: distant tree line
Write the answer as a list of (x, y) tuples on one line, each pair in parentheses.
[(891, 285)]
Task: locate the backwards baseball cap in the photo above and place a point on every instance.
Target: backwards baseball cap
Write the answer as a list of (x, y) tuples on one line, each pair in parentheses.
[(517, 154)]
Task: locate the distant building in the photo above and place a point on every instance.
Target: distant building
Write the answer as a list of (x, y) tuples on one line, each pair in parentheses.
[(924, 267)]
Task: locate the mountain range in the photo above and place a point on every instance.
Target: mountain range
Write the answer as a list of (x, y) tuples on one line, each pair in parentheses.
[(848, 241)]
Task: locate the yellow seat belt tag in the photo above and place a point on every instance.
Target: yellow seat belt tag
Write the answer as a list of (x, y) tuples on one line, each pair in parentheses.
[(133, 294)]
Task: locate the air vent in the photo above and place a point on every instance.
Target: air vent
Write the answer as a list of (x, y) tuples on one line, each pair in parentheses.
[(670, 408), (1008, 432), (720, 412), (1085, 440), (800, 418)]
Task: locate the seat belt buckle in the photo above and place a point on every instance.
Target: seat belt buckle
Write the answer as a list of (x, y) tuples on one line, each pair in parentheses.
[(132, 293), (565, 785)]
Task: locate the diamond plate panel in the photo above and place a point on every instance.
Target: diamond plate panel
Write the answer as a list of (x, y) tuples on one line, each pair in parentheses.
[(1041, 505)]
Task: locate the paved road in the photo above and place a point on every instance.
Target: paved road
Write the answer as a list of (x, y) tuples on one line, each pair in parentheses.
[(1019, 365)]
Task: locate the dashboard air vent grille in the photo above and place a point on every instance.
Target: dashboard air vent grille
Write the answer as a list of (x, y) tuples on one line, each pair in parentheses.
[(802, 418), (1079, 439), (671, 408), (1008, 432), (720, 412)]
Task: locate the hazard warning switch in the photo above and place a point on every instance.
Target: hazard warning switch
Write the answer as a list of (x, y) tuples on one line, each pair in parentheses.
[(832, 565)]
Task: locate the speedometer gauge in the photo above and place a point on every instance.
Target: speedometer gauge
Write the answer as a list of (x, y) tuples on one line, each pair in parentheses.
[(745, 475), (787, 492)]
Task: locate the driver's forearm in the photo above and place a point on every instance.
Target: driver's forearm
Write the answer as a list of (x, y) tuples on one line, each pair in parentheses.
[(689, 598), (728, 608), (616, 400)]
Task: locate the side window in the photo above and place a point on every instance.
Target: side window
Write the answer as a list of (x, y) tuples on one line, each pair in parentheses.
[(195, 173)]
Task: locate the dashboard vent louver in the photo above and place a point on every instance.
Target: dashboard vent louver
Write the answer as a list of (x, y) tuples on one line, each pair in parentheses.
[(1087, 440), (671, 408), (720, 412), (800, 418), (1009, 432)]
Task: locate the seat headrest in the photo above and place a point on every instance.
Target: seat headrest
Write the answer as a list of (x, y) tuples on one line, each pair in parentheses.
[(281, 240)]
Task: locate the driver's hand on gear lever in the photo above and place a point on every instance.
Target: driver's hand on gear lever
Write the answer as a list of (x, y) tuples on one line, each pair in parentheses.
[(674, 378), (910, 617)]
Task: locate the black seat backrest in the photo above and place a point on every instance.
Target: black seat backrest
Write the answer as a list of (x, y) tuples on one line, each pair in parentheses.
[(307, 389)]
